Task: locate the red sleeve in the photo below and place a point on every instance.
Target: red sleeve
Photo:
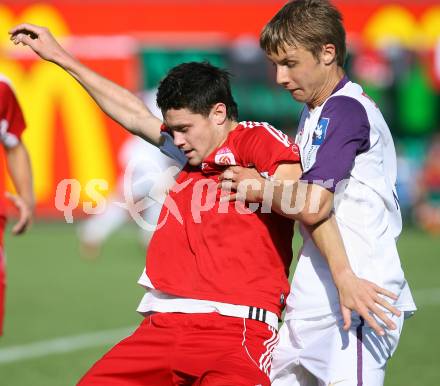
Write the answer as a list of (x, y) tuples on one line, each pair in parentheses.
[(10, 111), (265, 147)]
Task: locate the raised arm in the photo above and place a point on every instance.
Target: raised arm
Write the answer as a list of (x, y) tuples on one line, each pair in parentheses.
[(117, 102)]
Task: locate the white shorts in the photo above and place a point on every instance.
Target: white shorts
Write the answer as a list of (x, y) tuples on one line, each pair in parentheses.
[(318, 352)]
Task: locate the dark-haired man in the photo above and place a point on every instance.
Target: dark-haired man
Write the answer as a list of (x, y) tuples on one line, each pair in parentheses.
[(216, 272)]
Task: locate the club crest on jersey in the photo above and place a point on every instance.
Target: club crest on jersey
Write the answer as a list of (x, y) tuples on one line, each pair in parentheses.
[(320, 131), (224, 157)]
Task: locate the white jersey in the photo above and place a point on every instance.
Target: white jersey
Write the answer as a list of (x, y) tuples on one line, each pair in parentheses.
[(346, 146)]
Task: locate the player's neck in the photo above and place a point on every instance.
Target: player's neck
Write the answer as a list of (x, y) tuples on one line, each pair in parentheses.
[(227, 128), (328, 87)]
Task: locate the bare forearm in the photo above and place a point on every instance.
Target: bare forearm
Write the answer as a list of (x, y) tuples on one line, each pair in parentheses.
[(328, 239), (284, 194), (117, 102), (20, 170), (308, 203)]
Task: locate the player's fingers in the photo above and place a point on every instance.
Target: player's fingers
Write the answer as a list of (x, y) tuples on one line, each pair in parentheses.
[(20, 226), (228, 185), (25, 215), (372, 323), (384, 292), (228, 174), (229, 197), (22, 38), (384, 317), (387, 306), (23, 220), (346, 316), (26, 27)]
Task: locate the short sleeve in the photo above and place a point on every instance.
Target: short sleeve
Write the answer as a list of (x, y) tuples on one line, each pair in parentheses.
[(12, 122), (265, 148), (344, 133)]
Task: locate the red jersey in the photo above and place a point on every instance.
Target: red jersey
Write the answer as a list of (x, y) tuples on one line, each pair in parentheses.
[(11, 127), (211, 250)]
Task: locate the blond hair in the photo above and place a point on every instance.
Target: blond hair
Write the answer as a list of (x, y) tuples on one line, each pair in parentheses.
[(308, 23)]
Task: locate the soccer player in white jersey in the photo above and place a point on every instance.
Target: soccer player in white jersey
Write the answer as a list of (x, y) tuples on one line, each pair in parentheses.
[(348, 157)]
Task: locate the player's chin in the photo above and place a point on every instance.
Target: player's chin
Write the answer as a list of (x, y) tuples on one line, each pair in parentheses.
[(298, 95), (194, 161)]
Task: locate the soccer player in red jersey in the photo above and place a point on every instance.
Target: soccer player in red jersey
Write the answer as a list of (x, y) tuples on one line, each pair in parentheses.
[(17, 161), (216, 272)]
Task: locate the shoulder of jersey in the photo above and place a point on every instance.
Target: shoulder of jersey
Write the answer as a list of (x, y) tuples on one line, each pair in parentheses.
[(254, 125), (4, 80), (268, 132), (259, 127)]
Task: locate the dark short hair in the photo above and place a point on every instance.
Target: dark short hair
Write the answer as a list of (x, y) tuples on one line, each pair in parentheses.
[(309, 23), (197, 87)]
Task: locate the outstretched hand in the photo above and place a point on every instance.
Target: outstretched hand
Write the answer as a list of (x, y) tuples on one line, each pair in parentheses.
[(364, 297), (39, 39)]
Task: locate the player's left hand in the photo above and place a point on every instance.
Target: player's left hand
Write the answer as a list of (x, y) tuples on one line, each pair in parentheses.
[(365, 298), (244, 184), (25, 213)]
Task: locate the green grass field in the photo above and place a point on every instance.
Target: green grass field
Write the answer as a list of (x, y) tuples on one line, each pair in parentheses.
[(64, 312)]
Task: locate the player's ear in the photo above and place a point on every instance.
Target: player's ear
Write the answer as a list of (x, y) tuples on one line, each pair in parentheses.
[(328, 53), (218, 113)]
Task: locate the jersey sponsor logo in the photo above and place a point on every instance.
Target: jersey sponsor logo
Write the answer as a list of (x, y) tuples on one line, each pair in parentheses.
[(224, 156), (320, 131)]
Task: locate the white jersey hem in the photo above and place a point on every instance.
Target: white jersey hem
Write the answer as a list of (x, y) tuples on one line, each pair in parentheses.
[(158, 301)]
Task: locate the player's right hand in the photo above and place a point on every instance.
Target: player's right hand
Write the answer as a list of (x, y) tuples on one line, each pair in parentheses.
[(39, 39), (25, 212)]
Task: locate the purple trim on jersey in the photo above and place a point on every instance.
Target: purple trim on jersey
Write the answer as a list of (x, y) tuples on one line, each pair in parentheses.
[(341, 83), (344, 133), (360, 380)]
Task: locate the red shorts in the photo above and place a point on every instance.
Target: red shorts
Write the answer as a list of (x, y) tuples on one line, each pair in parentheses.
[(171, 349), (2, 275)]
